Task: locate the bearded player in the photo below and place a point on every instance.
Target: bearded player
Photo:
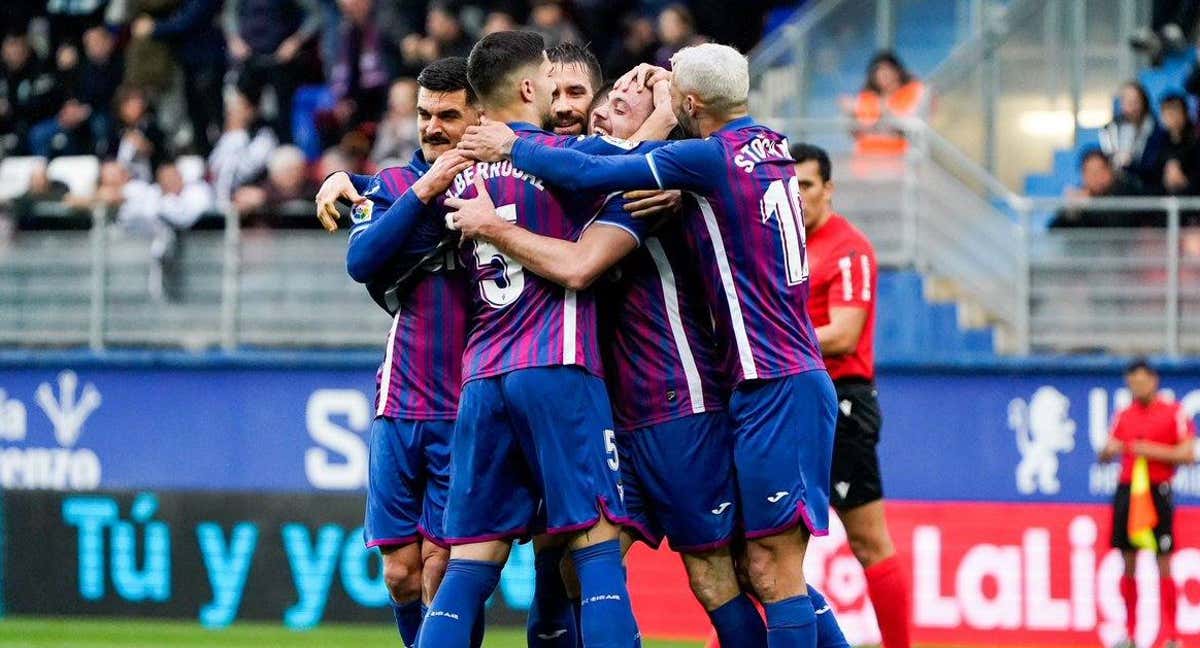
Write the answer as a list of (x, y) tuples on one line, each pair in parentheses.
[(748, 237), (417, 386), (533, 445)]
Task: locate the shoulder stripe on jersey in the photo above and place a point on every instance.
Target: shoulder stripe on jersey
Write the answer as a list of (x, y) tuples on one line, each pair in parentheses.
[(844, 264), (671, 298), (385, 383), (866, 274), (741, 338), (569, 328), (654, 169)]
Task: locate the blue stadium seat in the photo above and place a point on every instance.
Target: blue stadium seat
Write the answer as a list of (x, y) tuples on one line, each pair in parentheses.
[(912, 328)]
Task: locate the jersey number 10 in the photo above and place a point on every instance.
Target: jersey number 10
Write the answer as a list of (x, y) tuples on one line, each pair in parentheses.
[(782, 203)]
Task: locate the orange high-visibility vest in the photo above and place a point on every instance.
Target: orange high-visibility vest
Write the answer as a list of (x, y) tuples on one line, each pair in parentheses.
[(904, 102)]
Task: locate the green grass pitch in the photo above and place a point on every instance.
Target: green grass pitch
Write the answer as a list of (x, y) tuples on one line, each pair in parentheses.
[(76, 632)]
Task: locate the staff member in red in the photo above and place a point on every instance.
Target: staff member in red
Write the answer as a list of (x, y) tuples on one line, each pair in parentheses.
[(842, 306), (1160, 431)]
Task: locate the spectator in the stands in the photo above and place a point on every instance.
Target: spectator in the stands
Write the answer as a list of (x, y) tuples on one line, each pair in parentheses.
[(199, 48), (637, 45), (265, 39), (140, 143), (84, 123), (676, 30), (551, 19), (397, 137), (287, 182), (1172, 24), (28, 92), (1134, 140), (168, 199), (444, 36), (1181, 153), (498, 21), (69, 20), (158, 211), (240, 155), (889, 95), (149, 64), (1099, 180), (365, 66)]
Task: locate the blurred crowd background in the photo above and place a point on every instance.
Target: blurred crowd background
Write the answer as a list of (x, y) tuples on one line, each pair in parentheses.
[(168, 110)]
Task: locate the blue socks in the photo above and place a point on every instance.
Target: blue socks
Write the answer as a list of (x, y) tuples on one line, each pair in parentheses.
[(606, 616), (551, 622), (408, 620), (829, 633), (738, 624), (458, 606), (791, 623)]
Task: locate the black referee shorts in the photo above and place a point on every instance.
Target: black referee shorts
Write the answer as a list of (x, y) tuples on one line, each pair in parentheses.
[(855, 479), (1164, 503)]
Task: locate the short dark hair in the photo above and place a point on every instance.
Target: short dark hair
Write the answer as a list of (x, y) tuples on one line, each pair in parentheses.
[(1140, 364), (600, 97), (1093, 152), (447, 75), (805, 152), (498, 55), (568, 53)]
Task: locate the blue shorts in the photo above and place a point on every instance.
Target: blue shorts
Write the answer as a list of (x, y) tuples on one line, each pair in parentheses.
[(407, 481), (783, 448), (534, 451), (678, 482)]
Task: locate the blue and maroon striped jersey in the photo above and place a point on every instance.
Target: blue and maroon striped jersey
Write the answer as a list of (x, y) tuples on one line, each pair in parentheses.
[(659, 349), (419, 377), (748, 236), (521, 320)]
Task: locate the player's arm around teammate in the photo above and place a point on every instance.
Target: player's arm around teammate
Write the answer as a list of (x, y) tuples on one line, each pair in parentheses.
[(842, 307), (409, 464)]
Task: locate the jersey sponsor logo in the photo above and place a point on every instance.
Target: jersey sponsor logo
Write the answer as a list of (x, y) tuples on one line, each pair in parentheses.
[(721, 508), (777, 496), (1043, 428)]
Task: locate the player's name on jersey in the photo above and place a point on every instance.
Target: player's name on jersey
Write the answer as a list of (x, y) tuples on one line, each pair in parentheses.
[(489, 170), (758, 150)]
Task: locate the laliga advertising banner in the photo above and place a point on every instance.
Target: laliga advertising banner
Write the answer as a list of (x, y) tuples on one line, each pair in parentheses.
[(996, 499)]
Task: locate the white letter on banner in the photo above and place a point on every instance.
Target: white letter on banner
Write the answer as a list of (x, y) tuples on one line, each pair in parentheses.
[(1042, 610), (321, 470), (932, 610), (1002, 564)]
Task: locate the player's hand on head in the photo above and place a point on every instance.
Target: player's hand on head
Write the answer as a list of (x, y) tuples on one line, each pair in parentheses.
[(335, 187), (441, 174), (474, 217), (653, 202), (643, 76), (490, 141)]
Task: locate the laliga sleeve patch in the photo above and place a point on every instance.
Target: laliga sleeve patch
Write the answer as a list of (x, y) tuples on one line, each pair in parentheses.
[(362, 212)]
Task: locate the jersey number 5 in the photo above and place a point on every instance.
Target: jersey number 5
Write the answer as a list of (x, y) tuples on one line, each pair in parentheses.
[(782, 203), (496, 292)]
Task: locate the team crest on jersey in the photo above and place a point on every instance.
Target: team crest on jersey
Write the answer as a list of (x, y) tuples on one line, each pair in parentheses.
[(618, 142)]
